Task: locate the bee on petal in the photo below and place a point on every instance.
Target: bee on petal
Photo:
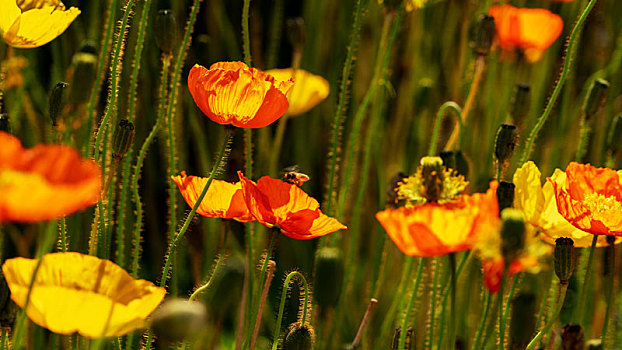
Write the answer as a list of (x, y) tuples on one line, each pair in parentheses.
[(293, 176)]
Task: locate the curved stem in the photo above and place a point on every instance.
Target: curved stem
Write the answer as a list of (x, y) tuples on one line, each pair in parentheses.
[(562, 296), (279, 320), (442, 111), (570, 52), (209, 282)]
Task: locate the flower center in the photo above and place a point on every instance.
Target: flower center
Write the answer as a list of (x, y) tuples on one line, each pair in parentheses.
[(432, 183), (598, 203)]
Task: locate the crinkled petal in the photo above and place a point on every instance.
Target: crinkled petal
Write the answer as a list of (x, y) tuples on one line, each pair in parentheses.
[(38, 27)]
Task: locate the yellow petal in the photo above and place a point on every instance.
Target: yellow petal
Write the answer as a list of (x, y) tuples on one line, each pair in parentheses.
[(307, 92), (9, 12), (39, 26), (528, 195)]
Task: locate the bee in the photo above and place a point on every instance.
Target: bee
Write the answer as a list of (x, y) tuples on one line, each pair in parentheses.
[(294, 177)]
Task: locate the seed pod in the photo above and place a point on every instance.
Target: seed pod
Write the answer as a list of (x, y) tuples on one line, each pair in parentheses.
[(178, 319), (409, 344), (564, 259), (505, 195), (432, 177), (512, 233), (122, 138), (58, 97), (299, 337), (328, 276), (595, 98), (520, 103), (615, 134), (84, 65), (572, 337), (165, 31), (5, 123), (505, 142), (484, 33), (523, 321)]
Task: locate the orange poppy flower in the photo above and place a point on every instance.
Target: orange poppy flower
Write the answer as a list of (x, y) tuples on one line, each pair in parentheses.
[(493, 271), (434, 229), (590, 198), (275, 203), (45, 182), (233, 93), (223, 199), (532, 30)]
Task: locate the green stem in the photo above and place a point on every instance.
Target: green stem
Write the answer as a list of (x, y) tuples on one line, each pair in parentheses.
[(442, 111), (610, 299), (279, 320), (570, 52), (477, 342), (506, 312), (411, 301), (586, 280), (449, 288), (585, 131), (562, 296), (209, 282), (500, 308), (62, 229), (436, 274), (452, 322), (246, 40), (275, 34)]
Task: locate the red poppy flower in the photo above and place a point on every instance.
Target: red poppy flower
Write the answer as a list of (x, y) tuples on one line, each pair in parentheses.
[(275, 203), (233, 93), (434, 229), (532, 30), (223, 199), (45, 182), (590, 198), (493, 271)]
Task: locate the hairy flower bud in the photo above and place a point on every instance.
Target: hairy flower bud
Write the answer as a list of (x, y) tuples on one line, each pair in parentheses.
[(122, 138), (178, 319), (512, 233), (165, 31), (299, 337), (505, 142), (84, 64), (595, 98), (328, 276), (564, 259), (57, 101), (484, 33)]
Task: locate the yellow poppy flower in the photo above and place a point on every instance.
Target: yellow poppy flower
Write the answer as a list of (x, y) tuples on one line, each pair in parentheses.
[(81, 293), (540, 207), (307, 92), (32, 23)]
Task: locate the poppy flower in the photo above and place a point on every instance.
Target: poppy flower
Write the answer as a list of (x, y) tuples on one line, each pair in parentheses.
[(532, 30), (81, 293), (307, 92), (32, 23), (590, 198), (223, 199), (435, 229), (275, 203), (233, 93), (539, 205), (45, 182), (492, 270)]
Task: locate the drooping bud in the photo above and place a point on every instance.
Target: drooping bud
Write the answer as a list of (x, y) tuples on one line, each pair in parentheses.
[(432, 178), (595, 98), (523, 322), (505, 195), (328, 276), (178, 319), (572, 337), (5, 123), (296, 33), (58, 98), (299, 337), (122, 138), (564, 259), (84, 65), (409, 344), (512, 233), (614, 146), (520, 103), (505, 142), (484, 34), (165, 31)]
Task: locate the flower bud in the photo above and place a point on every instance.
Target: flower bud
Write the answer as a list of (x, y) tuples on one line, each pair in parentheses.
[(432, 178), (409, 344), (296, 33), (572, 337), (223, 298), (520, 103), (523, 321), (328, 276), (84, 65), (58, 97), (484, 33), (449, 159), (594, 344), (88, 47), (462, 165), (615, 133), (299, 337), (178, 319), (505, 195), (122, 138), (505, 141), (512, 233), (564, 259), (165, 31), (595, 98), (5, 123)]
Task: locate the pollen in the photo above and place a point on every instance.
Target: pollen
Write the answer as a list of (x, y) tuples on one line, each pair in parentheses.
[(599, 203), (431, 184)]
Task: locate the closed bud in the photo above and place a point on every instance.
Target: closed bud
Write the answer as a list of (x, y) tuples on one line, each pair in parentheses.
[(58, 98), (505, 195), (5, 123), (122, 138), (520, 103), (512, 233), (432, 177), (523, 321), (299, 337), (572, 337), (328, 276), (615, 134), (449, 159), (564, 259), (178, 319), (88, 47), (505, 142), (462, 165), (84, 72), (596, 97), (296, 33), (165, 31), (594, 344), (409, 344), (484, 34)]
